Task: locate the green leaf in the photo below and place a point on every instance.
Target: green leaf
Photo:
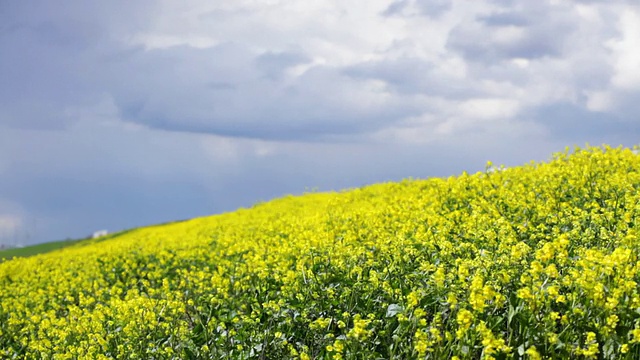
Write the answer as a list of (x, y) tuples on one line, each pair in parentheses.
[(393, 310), (521, 350)]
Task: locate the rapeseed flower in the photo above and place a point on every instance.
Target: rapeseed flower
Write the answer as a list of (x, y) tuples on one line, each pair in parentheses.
[(461, 267)]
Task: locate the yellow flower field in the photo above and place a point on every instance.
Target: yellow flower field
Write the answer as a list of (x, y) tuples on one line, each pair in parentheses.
[(538, 261)]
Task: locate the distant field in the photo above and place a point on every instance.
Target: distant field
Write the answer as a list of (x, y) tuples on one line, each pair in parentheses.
[(7, 254), (539, 261), (32, 250)]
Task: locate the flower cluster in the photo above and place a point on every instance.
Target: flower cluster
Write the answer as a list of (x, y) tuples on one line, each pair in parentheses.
[(538, 261)]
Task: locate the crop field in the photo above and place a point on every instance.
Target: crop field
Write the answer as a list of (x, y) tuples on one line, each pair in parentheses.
[(10, 253), (538, 261)]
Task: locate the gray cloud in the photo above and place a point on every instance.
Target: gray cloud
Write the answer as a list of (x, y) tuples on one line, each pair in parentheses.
[(230, 89), (501, 19), (233, 92), (576, 124), (411, 76), (517, 34), (274, 65), (49, 53), (396, 7), (431, 8)]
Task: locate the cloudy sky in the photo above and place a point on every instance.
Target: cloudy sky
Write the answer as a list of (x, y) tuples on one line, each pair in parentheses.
[(117, 114)]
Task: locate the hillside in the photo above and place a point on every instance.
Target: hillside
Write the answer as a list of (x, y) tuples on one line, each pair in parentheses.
[(10, 253), (530, 261)]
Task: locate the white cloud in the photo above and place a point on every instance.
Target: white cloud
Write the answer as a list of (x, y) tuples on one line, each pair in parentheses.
[(487, 109), (337, 32), (599, 100), (151, 41), (520, 62), (626, 51)]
